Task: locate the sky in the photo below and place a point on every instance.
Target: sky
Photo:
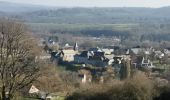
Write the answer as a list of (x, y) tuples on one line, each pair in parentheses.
[(97, 3)]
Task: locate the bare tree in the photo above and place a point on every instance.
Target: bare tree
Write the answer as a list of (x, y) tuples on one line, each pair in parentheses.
[(17, 64)]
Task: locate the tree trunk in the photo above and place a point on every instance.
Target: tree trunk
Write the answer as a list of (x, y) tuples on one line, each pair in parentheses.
[(3, 93)]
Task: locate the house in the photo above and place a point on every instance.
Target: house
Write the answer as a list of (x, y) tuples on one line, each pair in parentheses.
[(83, 57), (98, 59), (146, 63), (138, 51), (140, 61), (67, 47), (159, 54), (68, 55), (108, 51), (95, 57), (97, 49), (166, 52), (63, 56), (101, 57), (135, 51), (34, 91)]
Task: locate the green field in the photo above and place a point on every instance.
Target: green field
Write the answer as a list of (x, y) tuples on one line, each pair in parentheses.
[(79, 27)]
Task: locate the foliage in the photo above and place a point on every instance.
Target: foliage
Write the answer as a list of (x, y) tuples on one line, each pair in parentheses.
[(18, 67), (137, 88), (54, 79)]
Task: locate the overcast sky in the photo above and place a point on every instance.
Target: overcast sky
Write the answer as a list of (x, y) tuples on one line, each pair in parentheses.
[(97, 3)]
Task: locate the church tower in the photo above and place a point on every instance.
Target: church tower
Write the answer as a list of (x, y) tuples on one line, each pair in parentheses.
[(76, 47)]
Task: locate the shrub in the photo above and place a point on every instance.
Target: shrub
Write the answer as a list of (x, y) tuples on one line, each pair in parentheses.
[(138, 87)]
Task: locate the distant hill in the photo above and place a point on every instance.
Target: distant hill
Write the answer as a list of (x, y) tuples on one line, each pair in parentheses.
[(16, 7), (100, 15), (43, 14), (137, 24)]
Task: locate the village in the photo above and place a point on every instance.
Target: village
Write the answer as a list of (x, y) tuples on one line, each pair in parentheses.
[(141, 58), (59, 69), (84, 50), (109, 63)]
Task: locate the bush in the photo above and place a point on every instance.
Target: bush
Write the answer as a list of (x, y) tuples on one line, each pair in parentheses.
[(164, 93), (137, 88)]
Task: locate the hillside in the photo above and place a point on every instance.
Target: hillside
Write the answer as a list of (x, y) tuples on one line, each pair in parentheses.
[(18, 8), (115, 15), (100, 15), (126, 22)]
